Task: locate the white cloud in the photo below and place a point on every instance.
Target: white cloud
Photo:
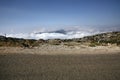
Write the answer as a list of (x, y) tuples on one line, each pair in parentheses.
[(69, 33), (19, 35)]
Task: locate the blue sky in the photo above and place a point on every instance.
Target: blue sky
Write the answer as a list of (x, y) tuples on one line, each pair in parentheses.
[(28, 15)]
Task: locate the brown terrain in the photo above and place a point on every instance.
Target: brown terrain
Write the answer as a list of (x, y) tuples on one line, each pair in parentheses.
[(90, 58)]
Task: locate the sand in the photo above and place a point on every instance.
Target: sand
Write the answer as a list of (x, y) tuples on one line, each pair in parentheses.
[(60, 49)]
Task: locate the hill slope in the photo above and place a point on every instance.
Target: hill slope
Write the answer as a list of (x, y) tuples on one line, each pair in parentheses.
[(98, 39)]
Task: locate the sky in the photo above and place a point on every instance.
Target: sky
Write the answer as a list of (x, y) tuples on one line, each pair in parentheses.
[(25, 16)]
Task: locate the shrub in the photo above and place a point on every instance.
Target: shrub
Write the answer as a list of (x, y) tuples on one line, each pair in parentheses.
[(94, 44), (54, 42)]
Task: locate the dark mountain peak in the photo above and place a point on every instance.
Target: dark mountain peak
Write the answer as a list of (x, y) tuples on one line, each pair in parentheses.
[(62, 31)]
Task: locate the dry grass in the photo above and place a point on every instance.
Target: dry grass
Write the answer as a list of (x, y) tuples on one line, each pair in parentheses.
[(59, 67)]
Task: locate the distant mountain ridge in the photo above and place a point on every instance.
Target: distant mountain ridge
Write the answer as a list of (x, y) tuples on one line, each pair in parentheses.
[(62, 31)]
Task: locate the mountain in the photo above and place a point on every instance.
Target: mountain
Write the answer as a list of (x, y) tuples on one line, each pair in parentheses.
[(61, 31)]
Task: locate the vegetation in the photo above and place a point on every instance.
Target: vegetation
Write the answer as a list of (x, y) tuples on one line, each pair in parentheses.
[(95, 40), (94, 44), (54, 41)]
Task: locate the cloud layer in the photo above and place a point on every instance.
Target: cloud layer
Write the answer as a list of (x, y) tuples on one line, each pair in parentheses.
[(67, 33)]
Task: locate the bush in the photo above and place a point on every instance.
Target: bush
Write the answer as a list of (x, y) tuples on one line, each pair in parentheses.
[(54, 42), (94, 44)]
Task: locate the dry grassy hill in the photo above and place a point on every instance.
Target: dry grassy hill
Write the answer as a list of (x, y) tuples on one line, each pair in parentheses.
[(95, 40)]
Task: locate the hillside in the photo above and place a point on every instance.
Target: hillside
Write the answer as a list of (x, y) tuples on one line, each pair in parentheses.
[(102, 39)]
